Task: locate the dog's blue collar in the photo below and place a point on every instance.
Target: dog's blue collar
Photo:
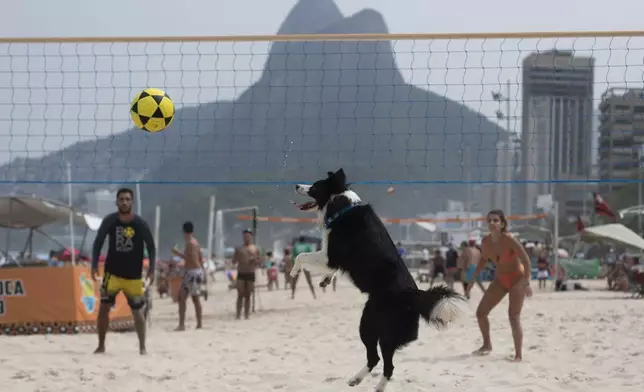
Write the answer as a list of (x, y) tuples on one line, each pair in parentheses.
[(330, 219)]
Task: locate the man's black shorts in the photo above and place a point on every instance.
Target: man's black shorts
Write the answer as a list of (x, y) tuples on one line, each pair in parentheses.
[(438, 270), (246, 276)]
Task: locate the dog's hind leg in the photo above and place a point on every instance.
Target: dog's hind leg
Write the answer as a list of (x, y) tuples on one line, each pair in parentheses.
[(399, 325), (369, 336), (388, 349)]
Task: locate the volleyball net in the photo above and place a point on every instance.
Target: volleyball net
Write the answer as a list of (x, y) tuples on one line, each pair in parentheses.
[(485, 120)]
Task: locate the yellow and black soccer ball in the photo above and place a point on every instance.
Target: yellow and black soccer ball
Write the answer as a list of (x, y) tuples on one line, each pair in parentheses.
[(152, 110)]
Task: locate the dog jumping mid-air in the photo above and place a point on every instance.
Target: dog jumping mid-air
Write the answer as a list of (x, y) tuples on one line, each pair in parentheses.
[(356, 242)]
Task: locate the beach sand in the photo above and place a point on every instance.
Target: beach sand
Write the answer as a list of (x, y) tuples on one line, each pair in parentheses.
[(577, 341)]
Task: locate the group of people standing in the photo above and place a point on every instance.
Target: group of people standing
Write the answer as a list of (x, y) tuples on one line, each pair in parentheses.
[(129, 235), (457, 265), (247, 260), (512, 274), (300, 244)]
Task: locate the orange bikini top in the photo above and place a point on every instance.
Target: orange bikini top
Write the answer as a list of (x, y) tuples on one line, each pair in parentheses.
[(506, 257)]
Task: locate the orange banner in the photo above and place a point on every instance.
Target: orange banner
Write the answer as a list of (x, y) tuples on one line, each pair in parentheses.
[(283, 219), (52, 295), (87, 298)]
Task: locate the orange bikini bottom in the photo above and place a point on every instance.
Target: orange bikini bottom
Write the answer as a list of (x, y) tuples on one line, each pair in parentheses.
[(508, 280)]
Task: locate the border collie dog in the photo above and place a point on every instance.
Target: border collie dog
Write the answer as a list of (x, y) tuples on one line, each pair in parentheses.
[(357, 243)]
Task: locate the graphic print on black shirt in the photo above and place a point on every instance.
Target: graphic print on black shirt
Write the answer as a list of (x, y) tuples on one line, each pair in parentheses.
[(126, 244), (124, 238)]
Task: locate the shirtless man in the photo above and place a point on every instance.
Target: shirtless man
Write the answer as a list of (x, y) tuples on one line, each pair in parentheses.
[(246, 258), (194, 276), (470, 258)]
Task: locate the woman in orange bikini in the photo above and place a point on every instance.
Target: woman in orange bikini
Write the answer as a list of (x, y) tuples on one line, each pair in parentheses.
[(512, 277)]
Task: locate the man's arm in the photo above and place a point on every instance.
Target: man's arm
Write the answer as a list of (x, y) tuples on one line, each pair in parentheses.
[(149, 245), (235, 256), (178, 253), (103, 229)]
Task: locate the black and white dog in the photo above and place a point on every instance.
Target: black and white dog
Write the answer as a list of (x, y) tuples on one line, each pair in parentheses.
[(357, 243)]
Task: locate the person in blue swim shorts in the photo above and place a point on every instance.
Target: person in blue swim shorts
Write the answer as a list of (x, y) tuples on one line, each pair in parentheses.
[(470, 257)]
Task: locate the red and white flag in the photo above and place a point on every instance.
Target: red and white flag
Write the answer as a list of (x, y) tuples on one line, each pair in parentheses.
[(601, 208)]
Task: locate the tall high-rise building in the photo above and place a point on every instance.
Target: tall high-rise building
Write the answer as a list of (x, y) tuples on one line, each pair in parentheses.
[(621, 137), (556, 140)]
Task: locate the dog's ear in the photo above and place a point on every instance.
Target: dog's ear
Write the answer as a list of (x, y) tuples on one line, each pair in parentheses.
[(338, 178), (330, 174), (341, 176)]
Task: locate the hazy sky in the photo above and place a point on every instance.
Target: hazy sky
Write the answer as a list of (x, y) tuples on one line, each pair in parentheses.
[(207, 17), (465, 70)]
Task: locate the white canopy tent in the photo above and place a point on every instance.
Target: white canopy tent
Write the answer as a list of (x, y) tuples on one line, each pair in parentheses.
[(32, 213), (614, 233), (632, 210), (26, 212)]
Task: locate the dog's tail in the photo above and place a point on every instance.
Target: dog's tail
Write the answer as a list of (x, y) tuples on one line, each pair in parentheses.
[(439, 305)]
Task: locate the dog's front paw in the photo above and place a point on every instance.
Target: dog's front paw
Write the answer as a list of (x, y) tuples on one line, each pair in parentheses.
[(326, 281)]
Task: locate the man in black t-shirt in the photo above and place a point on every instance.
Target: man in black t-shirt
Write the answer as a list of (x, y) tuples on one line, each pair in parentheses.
[(128, 235)]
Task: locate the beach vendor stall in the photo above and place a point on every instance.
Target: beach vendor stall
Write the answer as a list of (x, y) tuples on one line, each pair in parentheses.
[(40, 298)]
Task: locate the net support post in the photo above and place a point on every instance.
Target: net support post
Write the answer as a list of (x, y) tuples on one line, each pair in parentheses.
[(139, 208), (157, 228), (70, 196), (255, 214), (211, 226), (219, 235), (555, 240)]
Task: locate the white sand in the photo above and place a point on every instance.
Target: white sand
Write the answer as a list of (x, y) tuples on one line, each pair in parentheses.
[(580, 341)]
